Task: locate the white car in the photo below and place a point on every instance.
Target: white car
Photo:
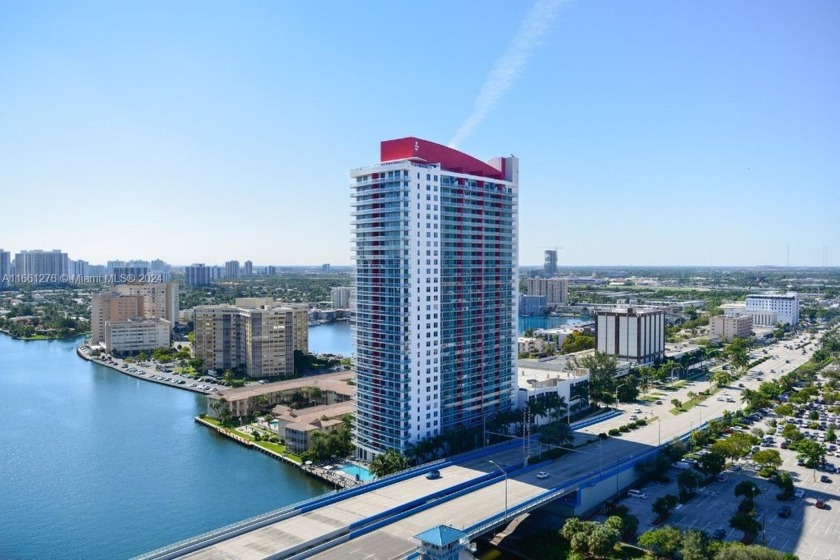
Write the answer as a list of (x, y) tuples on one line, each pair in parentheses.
[(542, 475), (799, 493)]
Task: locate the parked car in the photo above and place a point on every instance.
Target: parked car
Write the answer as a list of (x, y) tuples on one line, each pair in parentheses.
[(824, 478), (433, 475), (719, 533), (542, 475), (785, 511), (821, 504)]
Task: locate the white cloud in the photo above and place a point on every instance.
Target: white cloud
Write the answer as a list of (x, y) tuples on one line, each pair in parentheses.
[(508, 67)]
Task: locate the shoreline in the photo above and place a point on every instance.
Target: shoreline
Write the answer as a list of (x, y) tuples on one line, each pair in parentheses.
[(324, 475), (118, 368), (43, 338)]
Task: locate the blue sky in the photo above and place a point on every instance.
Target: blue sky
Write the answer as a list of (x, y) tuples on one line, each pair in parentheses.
[(649, 132)]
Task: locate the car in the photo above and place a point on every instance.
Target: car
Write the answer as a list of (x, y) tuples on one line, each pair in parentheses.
[(658, 401), (821, 504), (719, 533), (633, 417), (542, 475), (722, 478), (433, 475), (785, 511), (799, 493), (740, 384), (637, 410), (824, 478), (783, 445)]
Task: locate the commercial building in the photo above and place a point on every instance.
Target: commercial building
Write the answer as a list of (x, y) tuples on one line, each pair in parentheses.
[(556, 290), (42, 266), (785, 306), (5, 269), (759, 318), (727, 328), (197, 275), (435, 240), (530, 306), (632, 334), (253, 335), (340, 297), (538, 379), (136, 335)]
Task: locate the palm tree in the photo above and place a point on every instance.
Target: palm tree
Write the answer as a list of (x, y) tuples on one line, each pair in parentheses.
[(388, 463)]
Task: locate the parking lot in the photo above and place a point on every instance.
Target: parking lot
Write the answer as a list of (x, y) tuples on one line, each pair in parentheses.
[(808, 532)]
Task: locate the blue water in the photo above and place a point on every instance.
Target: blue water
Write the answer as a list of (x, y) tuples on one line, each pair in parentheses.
[(95, 464), (547, 322), (355, 470), (332, 338)]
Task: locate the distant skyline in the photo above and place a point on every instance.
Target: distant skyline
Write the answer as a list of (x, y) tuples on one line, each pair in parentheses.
[(649, 133)]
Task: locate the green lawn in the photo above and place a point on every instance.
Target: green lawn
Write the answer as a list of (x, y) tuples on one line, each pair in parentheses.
[(275, 447)]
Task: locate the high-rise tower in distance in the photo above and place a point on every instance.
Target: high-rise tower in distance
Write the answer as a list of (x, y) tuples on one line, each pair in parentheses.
[(435, 237), (550, 265)]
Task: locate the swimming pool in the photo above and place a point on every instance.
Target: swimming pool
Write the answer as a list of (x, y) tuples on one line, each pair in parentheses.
[(356, 471)]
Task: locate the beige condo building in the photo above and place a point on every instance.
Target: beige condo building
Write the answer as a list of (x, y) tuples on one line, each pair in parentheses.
[(112, 307), (555, 290), (160, 301)]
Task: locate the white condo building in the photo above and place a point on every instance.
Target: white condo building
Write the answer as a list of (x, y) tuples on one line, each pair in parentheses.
[(340, 296), (435, 236), (785, 306)]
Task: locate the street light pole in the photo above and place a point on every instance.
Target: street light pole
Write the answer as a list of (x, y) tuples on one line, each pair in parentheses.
[(504, 472)]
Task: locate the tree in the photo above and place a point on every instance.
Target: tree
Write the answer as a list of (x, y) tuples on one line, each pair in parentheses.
[(688, 482), (663, 505), (737, 551), (712, 463), (676, 402), (592, 539), (811, 452), (768, 458), (663, 542), (746, 524), (785, 482), (721, 378), (695, 545), (602, 369), (388, 463), (748, 489)]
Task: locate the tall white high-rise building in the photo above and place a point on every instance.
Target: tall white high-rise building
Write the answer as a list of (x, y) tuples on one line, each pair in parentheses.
[(785, 306), (435, 240), (197, 275), (42, 266), (340, 296)]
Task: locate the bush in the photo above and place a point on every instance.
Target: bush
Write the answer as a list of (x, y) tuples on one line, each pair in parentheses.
[(274, 439), (202, 415), (641, 422), (615, 432), (602, 435), (624, 428), (767, 471)]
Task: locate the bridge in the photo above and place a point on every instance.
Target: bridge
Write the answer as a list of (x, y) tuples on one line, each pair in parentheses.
[(477, 492)]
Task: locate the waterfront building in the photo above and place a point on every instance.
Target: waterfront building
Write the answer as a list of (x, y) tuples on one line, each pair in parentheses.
[(138, 334), (556, 290), (340, 296), (530, 306), (435, 241), (550, 265), (249, 268), (255, 335), (108, 307), (197, 275), (42, 266), (243, 402), (5, 268), (300, 311), (727, 328), (232, 269), (785, 306), (296, 426), (160, 301), (632, 334)]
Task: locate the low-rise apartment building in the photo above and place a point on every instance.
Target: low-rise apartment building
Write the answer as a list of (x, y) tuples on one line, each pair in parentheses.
[(136, 335)]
